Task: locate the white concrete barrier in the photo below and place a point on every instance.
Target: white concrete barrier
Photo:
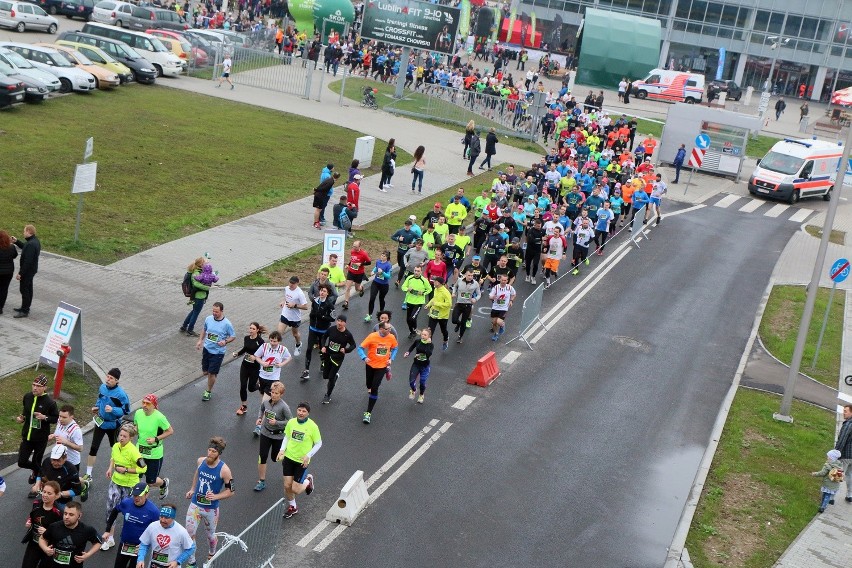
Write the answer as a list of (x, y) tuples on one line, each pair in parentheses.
[(353, 499)]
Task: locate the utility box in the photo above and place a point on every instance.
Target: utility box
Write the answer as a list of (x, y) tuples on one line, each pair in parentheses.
[(364, 147)]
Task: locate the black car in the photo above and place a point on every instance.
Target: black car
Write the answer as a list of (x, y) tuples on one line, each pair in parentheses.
[(77, 9), (732, 90), (49, 6), (143, 70), (11, 91)]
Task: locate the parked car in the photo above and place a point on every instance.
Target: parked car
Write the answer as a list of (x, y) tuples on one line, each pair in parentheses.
[(77, 9), (181, 46), (35, 91), (142, 69), (49, 6), (101, 59), (104, 78), (732, 90), (11, 91), (145, 17), (23, 16), (22, 67), (164, 61), (670, 86), (112, 12), (52, 61)]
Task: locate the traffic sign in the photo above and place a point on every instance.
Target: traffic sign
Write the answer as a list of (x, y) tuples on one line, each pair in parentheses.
[(839, 270), (702, 141), (696, 158)]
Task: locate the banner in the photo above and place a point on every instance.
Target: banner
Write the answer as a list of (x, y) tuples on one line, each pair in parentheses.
[(409, 23), (464, 18)]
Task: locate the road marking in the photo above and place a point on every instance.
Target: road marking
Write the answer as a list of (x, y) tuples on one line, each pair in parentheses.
[(682, 211), (388, 482), (800, 216), (510, 357), (844, 397), (398, 456), (726, 201), (751, 206), (777, 210), (463, 402), (306, 540)]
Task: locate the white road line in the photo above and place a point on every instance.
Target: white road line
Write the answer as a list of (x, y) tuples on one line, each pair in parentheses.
[(330, 538), (510, 357), (800, 215), (398, 456), (582, 294), (463, 402), (777, 210), (844, 397), (306, 540), (726, 201), (751, 206), (682, 211)]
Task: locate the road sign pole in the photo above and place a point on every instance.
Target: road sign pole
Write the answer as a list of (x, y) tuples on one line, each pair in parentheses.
[(79, 212), (689, 180), (824, 323)]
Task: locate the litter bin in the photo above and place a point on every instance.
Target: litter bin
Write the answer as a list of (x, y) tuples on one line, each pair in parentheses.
[(364, 151)]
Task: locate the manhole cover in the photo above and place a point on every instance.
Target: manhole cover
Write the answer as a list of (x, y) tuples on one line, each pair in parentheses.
[(632, 343)]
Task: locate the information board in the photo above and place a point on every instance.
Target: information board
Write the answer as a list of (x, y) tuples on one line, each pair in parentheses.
[(409, 23), (67, 327)]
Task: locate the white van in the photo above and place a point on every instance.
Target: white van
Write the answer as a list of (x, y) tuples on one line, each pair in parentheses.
[(151, 48), (670, 86), (793, 169)]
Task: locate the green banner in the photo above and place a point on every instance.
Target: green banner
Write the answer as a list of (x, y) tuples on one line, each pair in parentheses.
[(496, 28), (464, 18), (409, 23)]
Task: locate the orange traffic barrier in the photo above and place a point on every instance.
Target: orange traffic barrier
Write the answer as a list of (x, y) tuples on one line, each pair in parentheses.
[(485, 372)]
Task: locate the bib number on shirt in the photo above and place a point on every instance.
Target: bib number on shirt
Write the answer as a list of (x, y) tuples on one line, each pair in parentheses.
[(128, 549), (433, 313), (214, 337), (268, 369), (160, 560), (35, 423), (145, 451), (248, 358), (62, 557), (382, 351), (201, 499), (98, 420), (333, 346)]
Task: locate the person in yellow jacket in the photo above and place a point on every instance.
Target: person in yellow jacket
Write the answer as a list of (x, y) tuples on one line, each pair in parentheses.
[(416, 288), (126, 466), (456, 214), (439, 310)]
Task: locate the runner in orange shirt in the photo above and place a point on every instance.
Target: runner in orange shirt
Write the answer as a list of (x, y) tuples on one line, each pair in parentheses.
[(627, 190), (377, 351), (650, 145)]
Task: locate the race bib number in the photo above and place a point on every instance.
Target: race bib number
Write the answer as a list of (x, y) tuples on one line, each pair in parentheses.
[(354, 265), (128, 549), (269, 415), (416, 292), (501, 301), (214, 337), (333, 346), (35, 423), (489, 251), (248, 358), (62, 557), (268, 369), (381, 351), (420, 357), (145, 450), (201, 499), (466, 295), (297, 435), (433, 313), (455, 214), (160, 560), (98, 420), (402, 247)]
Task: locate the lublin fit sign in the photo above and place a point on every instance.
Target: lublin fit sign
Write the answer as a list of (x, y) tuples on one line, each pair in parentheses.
[(419, 25)]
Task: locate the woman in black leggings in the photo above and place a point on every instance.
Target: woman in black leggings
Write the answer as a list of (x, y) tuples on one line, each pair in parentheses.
[(381, 283), (249, 369)]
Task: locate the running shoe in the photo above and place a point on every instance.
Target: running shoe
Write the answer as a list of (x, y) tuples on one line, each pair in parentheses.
[(367, 318), (256, 431), (600, 252), (575, 272), (468, 323), (587, 261), (501, 330), (305, 375), (261, 485), (445, 346), (326, 399), (298, 350), (242, 410), (309, 484), (164, 490), (527, 278), (532, 281), (183, 329), (420, 399), (361, 292), (345, 305), (459, 340), (84, 491), (404, 306), (191, 333), (108, 543), (291, 510), (658, 220), (494, 337), (366, 418), (411, 394), (87, 477), (206, 396), (317, 226)]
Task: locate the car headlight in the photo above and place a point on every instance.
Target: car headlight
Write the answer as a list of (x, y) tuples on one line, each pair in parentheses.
[(32, 89), (113, 77), (146, 70)]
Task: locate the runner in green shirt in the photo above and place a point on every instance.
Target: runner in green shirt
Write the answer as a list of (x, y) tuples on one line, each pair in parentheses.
[(301, 442), (153, 428), (480, 203), (335, 273), (416, 288)]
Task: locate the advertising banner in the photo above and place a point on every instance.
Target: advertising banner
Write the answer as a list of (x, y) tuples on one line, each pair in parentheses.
[(409, 23)]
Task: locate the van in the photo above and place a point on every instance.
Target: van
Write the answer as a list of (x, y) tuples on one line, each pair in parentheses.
[(151, 48), (670, 86), (794, 169), (145, 17)]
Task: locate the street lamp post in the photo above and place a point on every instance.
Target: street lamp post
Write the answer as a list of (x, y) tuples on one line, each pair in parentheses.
[(780, 41)]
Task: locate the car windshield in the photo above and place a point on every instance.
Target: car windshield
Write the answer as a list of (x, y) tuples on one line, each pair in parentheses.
[(19, 61), (129, 51), (6, 69), (158, 45), (781, 163), (82, 59), (201, 41), (60, 60), (186, 46)]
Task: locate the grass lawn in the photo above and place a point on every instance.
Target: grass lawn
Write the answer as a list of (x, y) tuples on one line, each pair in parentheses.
[(415, 102), (780, 326), (78, 390), (375, 238), (170, 163), (759, 494), (836, 237)]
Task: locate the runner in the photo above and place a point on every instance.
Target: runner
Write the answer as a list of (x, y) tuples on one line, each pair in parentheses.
[(153, 428), (377, 351), (301, 442), (416, 256), (56, 467), (335, 273), (477, 269), (404, 239), (532, 255), (416, 288), (355, 273), (64, 543), (211, 483), (605, 217), (382, 273), (502, 295), (582, 235), (453, 256), (218, 332), (69, 434), (657, 193), (439, 311), (466, 292), (138, 512), (249, 369), (435, 268), (291, 312), (271, 419), (44, 513), (420, 367), (463, 242), (169, 543), (126, 466), (271, 356), (320, 319), (336, 343), (502, 267), (555, 249), (385, 317), (112, 404), (456, 213)]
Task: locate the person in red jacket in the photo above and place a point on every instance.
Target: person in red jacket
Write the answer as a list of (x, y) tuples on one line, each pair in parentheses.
[(355, 274), (353, 191)]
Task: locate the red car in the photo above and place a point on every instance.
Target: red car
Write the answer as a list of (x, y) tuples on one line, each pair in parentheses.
[(185, 45)]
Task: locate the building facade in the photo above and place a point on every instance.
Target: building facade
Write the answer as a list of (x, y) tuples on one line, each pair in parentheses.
[(809, 38)]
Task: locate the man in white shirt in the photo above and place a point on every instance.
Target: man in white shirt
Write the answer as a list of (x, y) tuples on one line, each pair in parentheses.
[(68, 434), (167, 541), (291, 312)]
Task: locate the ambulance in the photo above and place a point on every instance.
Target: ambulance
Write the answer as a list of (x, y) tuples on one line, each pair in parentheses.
[(794, 169), (670, 86)]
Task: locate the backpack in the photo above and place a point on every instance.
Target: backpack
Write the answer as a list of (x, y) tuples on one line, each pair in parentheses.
[(186, 285), (836, 474), (345, 222)]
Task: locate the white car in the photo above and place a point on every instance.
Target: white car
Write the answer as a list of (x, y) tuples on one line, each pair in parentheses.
[(112, 12), (24, 67), (23, 16), (53, 61)]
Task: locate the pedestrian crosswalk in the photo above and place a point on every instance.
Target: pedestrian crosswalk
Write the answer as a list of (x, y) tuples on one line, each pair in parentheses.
[(771, 209)]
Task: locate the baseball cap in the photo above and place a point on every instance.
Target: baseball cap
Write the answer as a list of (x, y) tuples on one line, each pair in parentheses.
[(501, 226), (357, 176), (152, 400), (140, 488), (40, 381), (477, 257), (412, 217), (438, 204), (57, 452)]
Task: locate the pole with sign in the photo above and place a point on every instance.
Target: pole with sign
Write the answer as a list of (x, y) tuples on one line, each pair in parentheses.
[(702, 142), (334, 242), (66, 329), (84, 181), (838, 272)]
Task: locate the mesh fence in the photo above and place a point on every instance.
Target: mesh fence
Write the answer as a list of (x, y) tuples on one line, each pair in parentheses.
[(255, 546), (267, 69)]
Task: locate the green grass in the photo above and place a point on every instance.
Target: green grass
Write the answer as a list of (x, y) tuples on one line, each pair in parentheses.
[(375, 237), (780, 326), (77, 390), (836, 237), (417, 102), (759, 495), (170, 163)]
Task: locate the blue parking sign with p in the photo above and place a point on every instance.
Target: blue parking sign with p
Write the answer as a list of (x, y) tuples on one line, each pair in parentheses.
[(63, 323), (334, 242)]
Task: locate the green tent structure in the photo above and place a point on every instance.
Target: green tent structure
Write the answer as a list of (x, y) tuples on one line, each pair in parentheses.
[(614, 45)]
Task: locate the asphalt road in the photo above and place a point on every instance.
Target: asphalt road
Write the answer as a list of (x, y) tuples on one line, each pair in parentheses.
[(581, 453)]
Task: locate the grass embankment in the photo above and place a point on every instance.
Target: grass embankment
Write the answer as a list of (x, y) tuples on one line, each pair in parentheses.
[(170, 163), (836, 237), (77, 390), (375, 237)]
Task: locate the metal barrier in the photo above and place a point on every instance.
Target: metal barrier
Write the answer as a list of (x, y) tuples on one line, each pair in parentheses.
[(255, 547), (530, 314), (267, 69)]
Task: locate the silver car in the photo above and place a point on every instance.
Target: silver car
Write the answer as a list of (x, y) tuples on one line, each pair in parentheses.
[(113, 12), (23, 16), (24, 67), (34, 90), (55, 62)]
